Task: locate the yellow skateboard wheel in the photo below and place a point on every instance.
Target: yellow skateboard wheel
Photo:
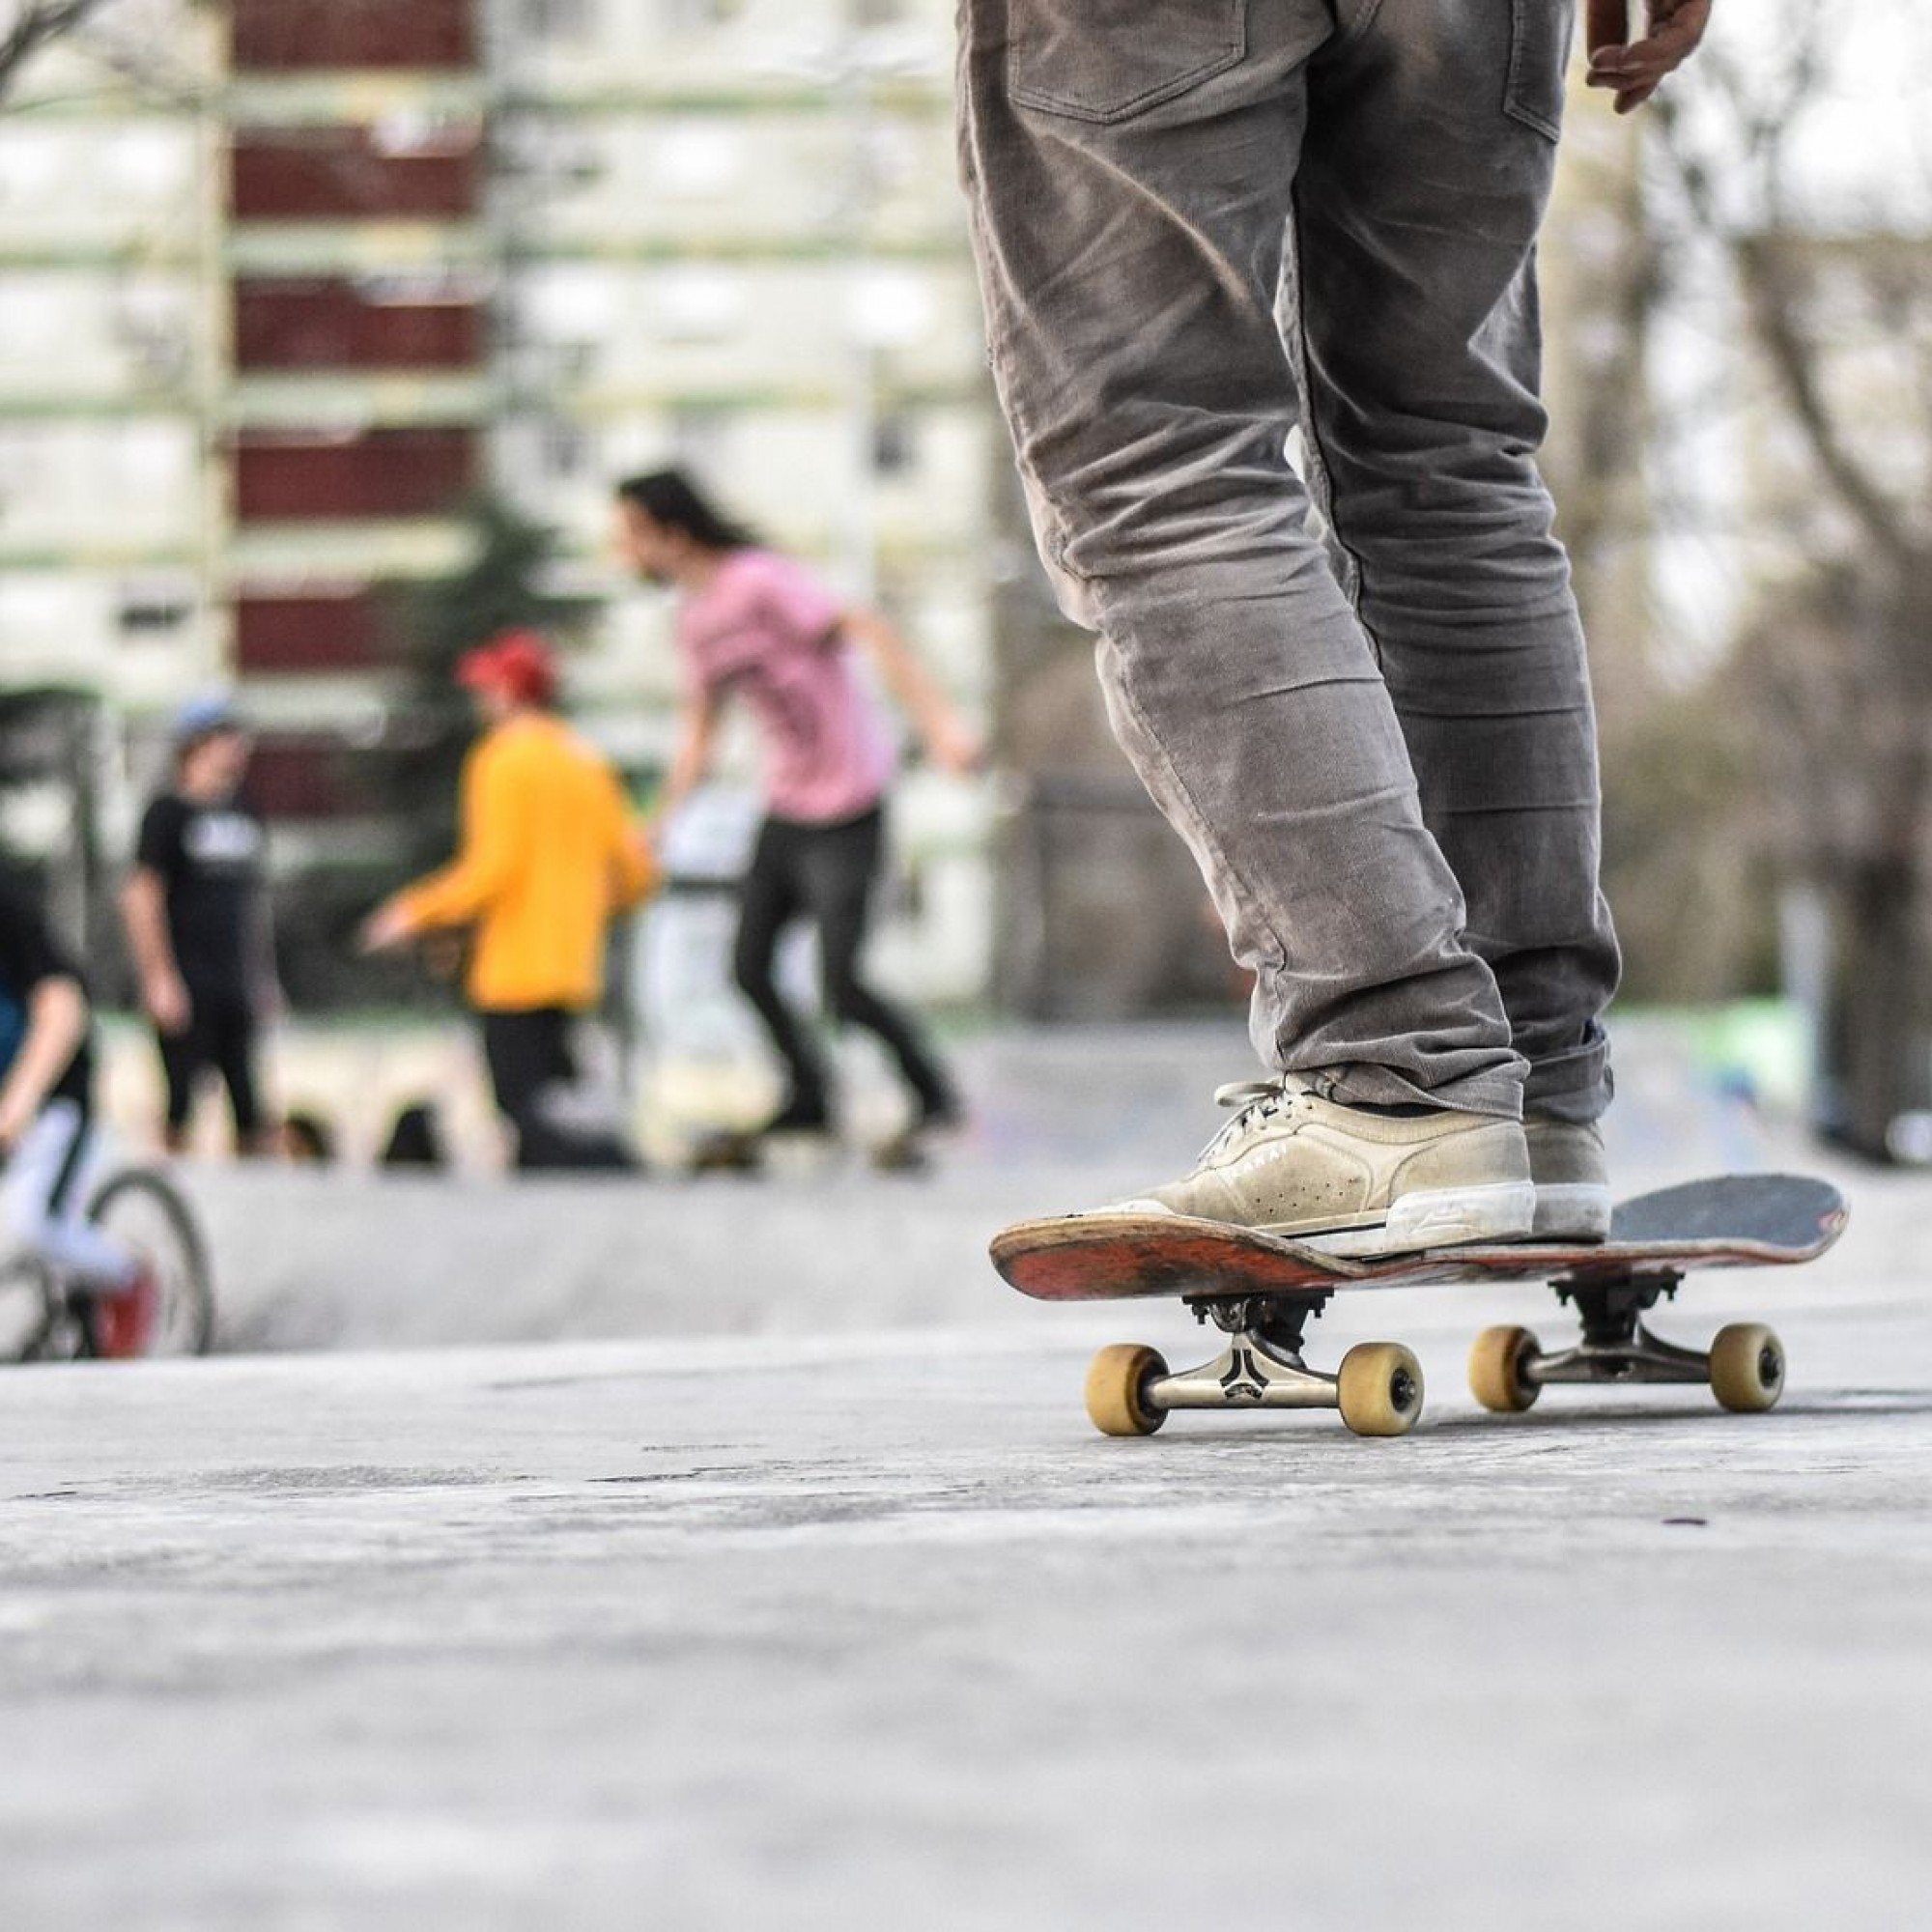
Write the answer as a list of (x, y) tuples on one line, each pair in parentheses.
[(1117, 1387), (1380, 1389), (1746, 1367), (1497, 1369)]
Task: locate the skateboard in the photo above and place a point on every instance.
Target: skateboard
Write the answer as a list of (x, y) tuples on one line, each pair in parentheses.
[(1261, 1291)]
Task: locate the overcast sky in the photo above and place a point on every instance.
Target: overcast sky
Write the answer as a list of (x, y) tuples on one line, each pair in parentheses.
[(1863, 147)]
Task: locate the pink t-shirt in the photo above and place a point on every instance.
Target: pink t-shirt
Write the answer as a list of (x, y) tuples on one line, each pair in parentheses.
[(762, 630)]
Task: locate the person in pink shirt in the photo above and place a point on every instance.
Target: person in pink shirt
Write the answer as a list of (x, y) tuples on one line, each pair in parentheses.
[(759, 628)]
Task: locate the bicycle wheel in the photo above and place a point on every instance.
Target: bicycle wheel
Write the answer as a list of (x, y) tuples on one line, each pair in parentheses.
[(29, 1309), (140, 1209)]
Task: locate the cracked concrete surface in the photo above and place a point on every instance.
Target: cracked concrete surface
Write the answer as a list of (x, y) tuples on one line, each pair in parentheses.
[(847, 1618)]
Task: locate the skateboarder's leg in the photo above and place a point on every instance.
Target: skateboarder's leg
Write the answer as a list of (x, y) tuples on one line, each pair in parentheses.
[(185, 1056), (839, 870), (1421, 361), (1130, 194), (527, 1050), (1414, 308), (770, 899)]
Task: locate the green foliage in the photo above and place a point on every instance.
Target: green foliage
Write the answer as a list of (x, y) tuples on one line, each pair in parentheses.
[(498, 589)]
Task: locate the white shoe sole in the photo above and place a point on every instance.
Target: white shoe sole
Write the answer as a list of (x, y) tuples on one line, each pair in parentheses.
[(1575, 1211), (1445, 1217)]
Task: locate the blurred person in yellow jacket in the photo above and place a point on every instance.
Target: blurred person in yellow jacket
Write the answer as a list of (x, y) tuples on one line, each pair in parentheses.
[(548, 853)]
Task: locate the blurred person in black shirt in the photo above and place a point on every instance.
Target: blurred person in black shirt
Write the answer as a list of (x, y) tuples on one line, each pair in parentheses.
[(196, 908)]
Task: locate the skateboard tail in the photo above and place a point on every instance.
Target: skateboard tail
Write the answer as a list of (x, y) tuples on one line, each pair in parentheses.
[(1098, 1258)]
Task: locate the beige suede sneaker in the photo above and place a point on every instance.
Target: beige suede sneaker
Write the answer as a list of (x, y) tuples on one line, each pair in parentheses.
[(1573, 1181), (1351, 1181)]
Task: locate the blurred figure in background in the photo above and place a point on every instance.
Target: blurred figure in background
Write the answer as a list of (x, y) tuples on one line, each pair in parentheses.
[(759, 627), (46, 1126), (308, 1139), (549, 854), (196, 908), (415, 1138)]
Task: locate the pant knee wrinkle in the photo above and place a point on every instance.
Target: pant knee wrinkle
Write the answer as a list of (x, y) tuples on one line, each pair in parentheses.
[(1224, 865)]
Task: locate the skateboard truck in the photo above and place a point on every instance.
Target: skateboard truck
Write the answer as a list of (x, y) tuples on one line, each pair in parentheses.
[(1616, 1345), (1131, 1390), (1745, 1368), (1262, 1365)]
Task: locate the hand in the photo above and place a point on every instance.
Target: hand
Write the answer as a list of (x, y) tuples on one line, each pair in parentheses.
[(384, 929), (443, 954), (166, 1000), (1633, 69), (955, 747)]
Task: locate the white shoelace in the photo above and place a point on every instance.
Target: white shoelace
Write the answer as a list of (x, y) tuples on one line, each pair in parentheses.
[(1257, 1099)]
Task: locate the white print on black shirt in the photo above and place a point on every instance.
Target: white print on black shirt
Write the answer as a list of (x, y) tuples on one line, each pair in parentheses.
[(222, 839)]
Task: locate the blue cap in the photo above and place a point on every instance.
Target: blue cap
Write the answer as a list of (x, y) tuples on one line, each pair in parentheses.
[(205, 717)]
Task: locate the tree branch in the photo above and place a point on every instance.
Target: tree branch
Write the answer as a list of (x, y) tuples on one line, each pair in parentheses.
[(1772, 303), (37, 23), (1795, 363)]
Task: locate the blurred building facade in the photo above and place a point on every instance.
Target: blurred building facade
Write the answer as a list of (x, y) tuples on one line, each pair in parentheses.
[(291, 281)]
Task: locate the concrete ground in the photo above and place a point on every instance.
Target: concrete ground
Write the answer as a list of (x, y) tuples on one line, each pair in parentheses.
[(845, 1617)]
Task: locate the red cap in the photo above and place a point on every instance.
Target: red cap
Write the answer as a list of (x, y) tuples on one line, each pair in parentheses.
[(519, 664)]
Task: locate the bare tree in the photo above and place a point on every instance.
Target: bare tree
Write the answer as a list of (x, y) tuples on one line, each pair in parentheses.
[(35, 25), (1831, 682)]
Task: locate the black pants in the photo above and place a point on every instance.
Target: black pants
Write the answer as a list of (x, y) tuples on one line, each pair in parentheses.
[(824, 873), (220, 1034), (531, 1059)]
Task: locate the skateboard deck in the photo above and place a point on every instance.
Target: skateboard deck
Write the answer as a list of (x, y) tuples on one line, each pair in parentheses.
[(1745, 1220), (1262, 1290)]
